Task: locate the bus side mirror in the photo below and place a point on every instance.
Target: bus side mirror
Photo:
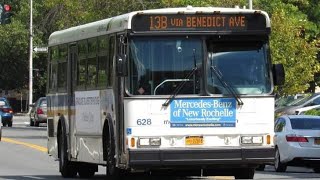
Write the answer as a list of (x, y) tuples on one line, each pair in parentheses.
[(278, 74), (121, 65)]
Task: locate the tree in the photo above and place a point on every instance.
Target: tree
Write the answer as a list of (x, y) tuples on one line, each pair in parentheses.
[(292, 44), (13, 56), (294, 39)]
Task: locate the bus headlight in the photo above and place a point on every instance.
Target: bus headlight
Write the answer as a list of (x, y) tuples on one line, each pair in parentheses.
[(145, 142), (251, 140), (155, 141)]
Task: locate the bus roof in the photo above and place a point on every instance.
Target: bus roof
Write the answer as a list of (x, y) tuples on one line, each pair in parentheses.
[(123, 22)]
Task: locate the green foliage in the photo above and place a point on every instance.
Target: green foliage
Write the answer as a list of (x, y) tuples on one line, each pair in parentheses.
[(214, 3), (313, 112), (13, 52), (292, 43), (295, 34), (297, 55)]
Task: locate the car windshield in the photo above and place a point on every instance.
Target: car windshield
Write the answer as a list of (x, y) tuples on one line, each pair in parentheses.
[(291, 99), (305, 123), (303, 100), (43, 102), (244, 67), (3, 103), (160, 64)]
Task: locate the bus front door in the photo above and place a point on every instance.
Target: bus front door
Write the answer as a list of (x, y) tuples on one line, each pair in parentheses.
[(73, 57)]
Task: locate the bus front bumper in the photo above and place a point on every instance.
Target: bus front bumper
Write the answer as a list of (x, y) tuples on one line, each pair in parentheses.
[(200, 157)]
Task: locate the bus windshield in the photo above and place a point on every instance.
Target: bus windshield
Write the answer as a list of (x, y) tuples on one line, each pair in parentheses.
[(159, 64), (244, 66)]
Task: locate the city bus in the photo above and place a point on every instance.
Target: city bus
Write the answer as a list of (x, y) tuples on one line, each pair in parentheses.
[(187, 90)]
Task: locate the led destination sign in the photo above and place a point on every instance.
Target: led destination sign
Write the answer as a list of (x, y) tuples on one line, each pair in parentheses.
[(197, 22)]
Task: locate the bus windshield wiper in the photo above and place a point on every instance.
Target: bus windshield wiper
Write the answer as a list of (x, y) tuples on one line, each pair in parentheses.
[(178, 88), (226, 85), (187, 78)]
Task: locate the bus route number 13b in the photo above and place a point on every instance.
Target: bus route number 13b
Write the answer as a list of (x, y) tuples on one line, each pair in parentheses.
[(144, 122), (158, 22)]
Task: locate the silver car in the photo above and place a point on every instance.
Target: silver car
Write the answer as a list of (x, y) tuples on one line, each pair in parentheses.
[(297, 142), (38, 113), (307, 100)]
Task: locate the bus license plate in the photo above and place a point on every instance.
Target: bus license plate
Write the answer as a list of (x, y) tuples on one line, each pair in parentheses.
[(194, 140), (317, 141)]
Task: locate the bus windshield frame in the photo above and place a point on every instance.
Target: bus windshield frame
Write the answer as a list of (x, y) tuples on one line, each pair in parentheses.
[(243, 65), (158, 64)]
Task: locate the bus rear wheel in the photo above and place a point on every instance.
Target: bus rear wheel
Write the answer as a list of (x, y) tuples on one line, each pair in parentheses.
[(67, 169)]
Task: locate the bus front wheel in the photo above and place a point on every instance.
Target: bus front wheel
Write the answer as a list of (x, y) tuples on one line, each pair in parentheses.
[(67, 169), (112, 170)]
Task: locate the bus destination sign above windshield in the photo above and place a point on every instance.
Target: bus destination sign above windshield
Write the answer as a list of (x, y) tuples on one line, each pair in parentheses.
[(199, 22)]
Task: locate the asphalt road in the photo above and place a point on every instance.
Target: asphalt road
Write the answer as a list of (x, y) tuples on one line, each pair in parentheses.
[(23, 156)]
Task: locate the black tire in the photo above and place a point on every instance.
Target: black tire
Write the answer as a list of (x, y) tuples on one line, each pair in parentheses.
[(67, 168), (112, 171), (245, 173), (4, 123), (10, 124), (278, 165), (316, 169), (31, 122), (261, 167), (87, 170), (0, 133)]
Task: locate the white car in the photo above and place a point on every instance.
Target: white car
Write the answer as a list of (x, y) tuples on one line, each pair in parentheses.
[(297, 142), (301, 111)]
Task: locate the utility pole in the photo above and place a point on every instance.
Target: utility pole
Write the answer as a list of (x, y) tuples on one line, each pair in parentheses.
[(30, 59)]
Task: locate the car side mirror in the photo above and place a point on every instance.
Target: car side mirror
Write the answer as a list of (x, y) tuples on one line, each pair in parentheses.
[(278, 74)]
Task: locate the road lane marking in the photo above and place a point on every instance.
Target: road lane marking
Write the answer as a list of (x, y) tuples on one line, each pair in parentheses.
[(33, 177), (221, 177), (39, 148)]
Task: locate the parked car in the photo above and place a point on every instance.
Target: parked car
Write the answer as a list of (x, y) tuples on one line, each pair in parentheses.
[(310, 100), (297, 142), (38, 113), (6, 112), (287, 100), (303, 110)]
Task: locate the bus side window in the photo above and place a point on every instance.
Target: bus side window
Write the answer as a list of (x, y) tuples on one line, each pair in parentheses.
[(81, 65), (103, 46), (54, 55), (92, 63), (62, 68)]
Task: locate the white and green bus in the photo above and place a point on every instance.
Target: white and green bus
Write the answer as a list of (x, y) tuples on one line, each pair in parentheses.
[(178, 89)]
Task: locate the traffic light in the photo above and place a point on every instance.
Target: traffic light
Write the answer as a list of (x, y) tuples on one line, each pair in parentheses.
[(6, 14)]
